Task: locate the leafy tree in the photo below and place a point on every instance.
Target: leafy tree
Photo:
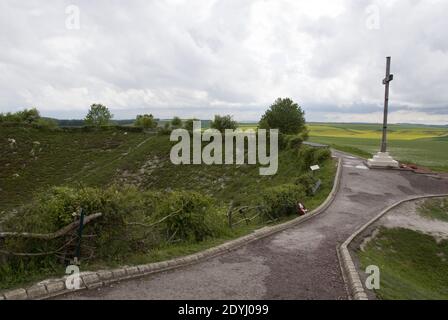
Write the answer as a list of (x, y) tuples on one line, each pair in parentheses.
[(222, 123), (285, 115), (176, 122), (146, 121), (27, 116), (188, 125), (98, 115)]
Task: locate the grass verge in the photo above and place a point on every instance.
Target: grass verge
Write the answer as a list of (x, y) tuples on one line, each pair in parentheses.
[(413, 265), (435, 209)]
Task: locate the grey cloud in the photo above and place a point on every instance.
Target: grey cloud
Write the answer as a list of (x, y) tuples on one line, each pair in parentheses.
[(203, 57)]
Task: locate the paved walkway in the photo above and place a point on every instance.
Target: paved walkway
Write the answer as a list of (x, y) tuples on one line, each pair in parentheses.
[(299, 263)]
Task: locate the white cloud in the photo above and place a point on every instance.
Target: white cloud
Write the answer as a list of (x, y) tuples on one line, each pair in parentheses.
[(199, 57)]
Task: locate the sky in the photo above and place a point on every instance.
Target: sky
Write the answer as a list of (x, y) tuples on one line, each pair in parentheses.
[(198, 58)]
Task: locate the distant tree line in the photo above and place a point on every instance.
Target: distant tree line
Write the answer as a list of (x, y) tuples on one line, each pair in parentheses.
[(284, 115)]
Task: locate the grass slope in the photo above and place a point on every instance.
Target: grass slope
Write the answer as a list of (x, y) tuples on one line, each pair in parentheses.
[(100, 158), (413, 265)]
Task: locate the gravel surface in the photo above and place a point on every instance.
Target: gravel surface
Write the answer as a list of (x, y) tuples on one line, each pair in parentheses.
[(299, 263)]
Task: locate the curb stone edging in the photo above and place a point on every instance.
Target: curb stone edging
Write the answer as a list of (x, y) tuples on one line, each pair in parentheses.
[(91, 280), (349, 271)]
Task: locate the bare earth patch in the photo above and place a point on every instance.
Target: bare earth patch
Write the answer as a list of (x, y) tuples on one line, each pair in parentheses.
[(407, 216)]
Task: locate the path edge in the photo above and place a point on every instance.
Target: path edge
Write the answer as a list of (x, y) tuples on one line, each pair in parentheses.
[(51, 288), (349, 272)]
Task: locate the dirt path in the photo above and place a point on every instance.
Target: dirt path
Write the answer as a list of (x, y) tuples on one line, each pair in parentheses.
[(299, 263)]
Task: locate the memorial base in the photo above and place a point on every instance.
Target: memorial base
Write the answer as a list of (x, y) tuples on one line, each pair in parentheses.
[(382, 160)]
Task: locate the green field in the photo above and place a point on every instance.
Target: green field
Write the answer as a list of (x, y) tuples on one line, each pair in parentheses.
[(414, 144), (423, 145)]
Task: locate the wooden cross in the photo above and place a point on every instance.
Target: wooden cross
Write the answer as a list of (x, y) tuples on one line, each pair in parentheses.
[(386, 81)]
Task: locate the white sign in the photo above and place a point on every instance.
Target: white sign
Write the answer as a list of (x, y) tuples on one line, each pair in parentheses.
[(314, 168)]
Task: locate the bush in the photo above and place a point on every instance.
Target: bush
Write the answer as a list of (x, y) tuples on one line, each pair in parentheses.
[(188, 216), (60, 206), (289, 141), (312, 156), (307, 181), (281, 201), (45, 123), (222, 123), (132, 221), (322, 154), (29, 117), (145, 121), (188, 125), (166, 129), (176, 123)]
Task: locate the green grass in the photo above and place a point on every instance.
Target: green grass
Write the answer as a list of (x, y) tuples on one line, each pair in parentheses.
[(101, 158), (412, 265), (61, 158), (423, 145), (418, 144), (436, 209)]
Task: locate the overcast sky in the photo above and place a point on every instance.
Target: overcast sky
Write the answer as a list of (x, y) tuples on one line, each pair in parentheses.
[(197, 58)]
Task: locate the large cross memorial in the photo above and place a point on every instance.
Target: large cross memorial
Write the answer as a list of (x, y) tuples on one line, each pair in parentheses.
[(382, 159)]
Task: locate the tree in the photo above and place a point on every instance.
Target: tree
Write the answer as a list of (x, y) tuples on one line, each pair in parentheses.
[(188, 125), (222, 123), (145, 121), (27, 116), (176, 122), (285, 115), (98, 115)]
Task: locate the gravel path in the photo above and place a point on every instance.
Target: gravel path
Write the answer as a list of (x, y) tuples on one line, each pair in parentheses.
[(299, 263)]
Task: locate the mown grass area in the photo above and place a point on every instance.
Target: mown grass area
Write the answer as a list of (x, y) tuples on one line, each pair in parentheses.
[(138, 168), (436, 209), (422, 145), (413, 265)]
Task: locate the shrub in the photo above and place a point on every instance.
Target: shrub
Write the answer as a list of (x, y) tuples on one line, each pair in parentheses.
[(187, 216), (132, 221), (176, 123), (322, 154), (28, 117), (222, 123), (145, 121), (188, 125), (281, 201), (289, 141), (61, 205), (312, 156), (307, 181), (46, 123), (166, 129)]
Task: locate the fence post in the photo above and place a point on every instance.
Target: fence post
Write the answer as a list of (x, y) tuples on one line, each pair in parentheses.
[(80, 229), (229, 214)]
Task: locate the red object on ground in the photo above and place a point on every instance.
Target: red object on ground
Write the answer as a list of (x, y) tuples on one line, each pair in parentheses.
[(301, 210)]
